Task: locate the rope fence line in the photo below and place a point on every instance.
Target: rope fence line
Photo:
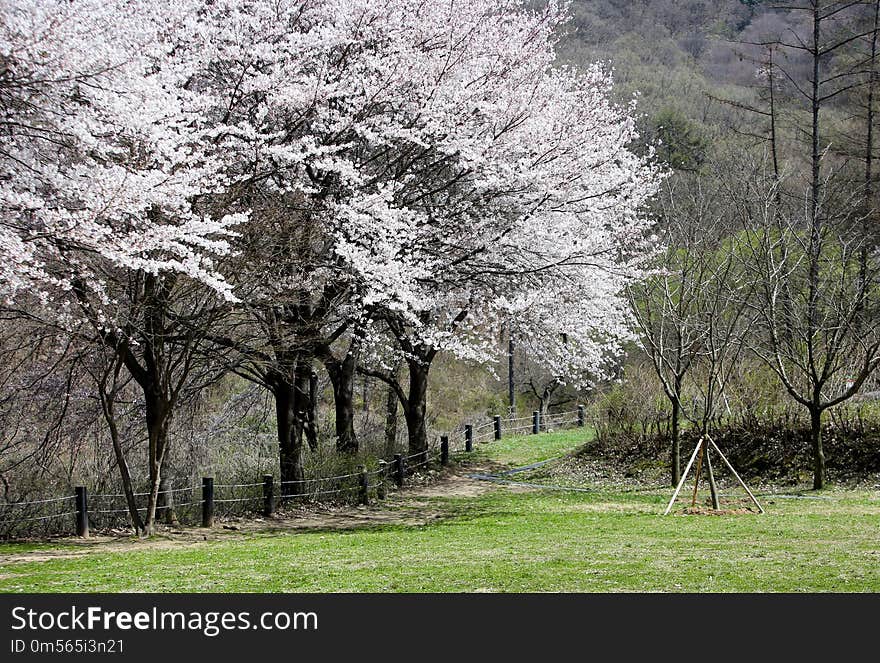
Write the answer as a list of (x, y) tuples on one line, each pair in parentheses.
[(18, 521), (337, 491), (183, 490), (313, 479), (112, 511), (161, 492), (424, 462), (51, 499), (368, 481), (237, 499), (100, 496)]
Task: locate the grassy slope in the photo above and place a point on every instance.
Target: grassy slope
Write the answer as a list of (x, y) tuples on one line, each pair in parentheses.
[(513, 541)]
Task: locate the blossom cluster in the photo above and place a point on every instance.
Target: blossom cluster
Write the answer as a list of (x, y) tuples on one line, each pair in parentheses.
[(442, 161)]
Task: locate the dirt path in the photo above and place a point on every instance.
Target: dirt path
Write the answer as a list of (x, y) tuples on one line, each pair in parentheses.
[(410, 506)]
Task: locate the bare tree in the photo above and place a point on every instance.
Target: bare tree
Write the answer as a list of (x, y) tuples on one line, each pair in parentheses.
[(689, 311), (816, 276), (816, 302)]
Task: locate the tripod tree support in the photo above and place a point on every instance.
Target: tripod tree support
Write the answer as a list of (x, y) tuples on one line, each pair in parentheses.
[(703, 449), (698, 475), (730, 467), (683, 477)]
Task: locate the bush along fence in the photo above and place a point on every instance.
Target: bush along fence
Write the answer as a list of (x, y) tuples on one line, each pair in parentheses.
[(202, 503)]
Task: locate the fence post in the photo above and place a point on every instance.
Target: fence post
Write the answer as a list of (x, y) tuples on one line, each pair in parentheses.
[(497, 426), (582, 416), (82, 511), (536, 422), (364, 485), (468, 438), (381, 477), (207, 501), (444, 450), (268, 495), (399, 470)]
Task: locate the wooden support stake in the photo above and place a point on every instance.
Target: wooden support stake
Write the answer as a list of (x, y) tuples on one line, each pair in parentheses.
[(536, 422), (698, 475), (497, 426), (683, 477), (444, 450), (469, 438), (207, 501), (738, 478), (82, 511)]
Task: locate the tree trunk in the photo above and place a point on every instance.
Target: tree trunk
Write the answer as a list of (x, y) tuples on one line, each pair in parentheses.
[(676, 441), (127, 487), (311, 423), (511, 382), (391, 409), (108, 400), (153, 378), (303, 404), (417, 406), (289, 444), (165, 504), (158, 414), (713, 487), (342, 374), (818, 451), (342, 377)]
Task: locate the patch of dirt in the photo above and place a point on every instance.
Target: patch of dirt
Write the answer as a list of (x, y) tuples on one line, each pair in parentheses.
[(455, 485)]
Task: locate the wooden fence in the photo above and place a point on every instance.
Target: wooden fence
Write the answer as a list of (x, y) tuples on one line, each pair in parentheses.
[(201, 503)]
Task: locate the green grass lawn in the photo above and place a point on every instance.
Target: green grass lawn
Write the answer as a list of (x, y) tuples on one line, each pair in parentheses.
[(505, 541), (522, 450)]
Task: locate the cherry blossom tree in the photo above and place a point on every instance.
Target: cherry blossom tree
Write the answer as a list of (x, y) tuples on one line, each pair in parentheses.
[(436, 156), (95, 158), (103, 187), (538, 216)]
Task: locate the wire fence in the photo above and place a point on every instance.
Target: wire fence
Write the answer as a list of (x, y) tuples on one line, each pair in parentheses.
[(194, 503)]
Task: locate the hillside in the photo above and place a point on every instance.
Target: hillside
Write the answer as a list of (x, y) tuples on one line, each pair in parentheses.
[(678, 58)]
